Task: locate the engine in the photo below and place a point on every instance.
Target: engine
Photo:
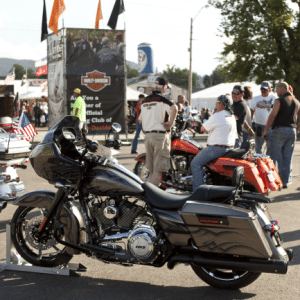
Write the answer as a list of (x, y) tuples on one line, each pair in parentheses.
[(181, 164), (127, 228)]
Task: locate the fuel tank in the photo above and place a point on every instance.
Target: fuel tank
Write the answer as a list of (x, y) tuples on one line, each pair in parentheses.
[(181, 145), (113, 179)]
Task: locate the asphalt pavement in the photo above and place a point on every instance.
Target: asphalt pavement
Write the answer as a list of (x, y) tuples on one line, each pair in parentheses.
[(112, 282)]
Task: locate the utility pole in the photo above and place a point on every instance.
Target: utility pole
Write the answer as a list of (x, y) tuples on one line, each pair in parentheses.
[(190, 86)]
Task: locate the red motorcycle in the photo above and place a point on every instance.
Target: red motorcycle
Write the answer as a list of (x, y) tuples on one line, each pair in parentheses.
[(261, 175)]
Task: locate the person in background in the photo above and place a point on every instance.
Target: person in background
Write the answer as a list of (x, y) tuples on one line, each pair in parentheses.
[(284, 119), (260, 109), (138, 125), (37, 114), (222, 133), (157, 117), (46, 113), (180, 101), (247, 97), (240, 112), (186, 115), (79, 108)]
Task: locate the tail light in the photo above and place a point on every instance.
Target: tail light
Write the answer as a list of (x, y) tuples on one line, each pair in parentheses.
[(18, 179), (27, 160), (7, 178)]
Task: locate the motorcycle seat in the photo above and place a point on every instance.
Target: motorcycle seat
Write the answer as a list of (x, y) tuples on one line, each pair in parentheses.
[(164, 200), (235, 153)]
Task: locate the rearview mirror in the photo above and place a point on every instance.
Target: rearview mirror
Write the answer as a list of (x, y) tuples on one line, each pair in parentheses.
[(115, 127)]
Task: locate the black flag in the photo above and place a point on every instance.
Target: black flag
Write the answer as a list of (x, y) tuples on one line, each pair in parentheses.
[(44, 24), (117, 10)]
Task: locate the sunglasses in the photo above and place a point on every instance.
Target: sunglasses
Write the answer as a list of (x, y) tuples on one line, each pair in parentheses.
[(236, 94)]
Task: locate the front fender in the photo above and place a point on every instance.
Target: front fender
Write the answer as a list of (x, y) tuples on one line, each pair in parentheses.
[(70, 215), (141, 157)]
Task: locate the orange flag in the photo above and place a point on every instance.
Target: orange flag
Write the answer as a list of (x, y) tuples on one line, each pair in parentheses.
[(57, 9), (98, 16)]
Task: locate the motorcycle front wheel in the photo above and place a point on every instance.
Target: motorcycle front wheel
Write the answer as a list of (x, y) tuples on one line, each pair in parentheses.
[(225, 279), (47, 252), (141, 170)]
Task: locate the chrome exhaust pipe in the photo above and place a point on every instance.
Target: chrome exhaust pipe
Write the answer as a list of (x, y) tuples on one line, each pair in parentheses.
[(3, 204), (272, 266)]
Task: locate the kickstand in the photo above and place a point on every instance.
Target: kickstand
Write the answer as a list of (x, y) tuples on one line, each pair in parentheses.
[(14, 262)]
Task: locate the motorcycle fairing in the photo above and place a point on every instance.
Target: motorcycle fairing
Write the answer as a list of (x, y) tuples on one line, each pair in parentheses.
[(186, 146), (225, 167), (141, 157), (70, 216), (241, 233)]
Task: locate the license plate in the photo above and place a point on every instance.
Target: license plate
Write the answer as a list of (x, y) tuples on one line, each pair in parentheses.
[(271, 176)]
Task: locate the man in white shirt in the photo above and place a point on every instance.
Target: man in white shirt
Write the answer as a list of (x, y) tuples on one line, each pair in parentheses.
[(222, 135), (261, 107), (157, 117)]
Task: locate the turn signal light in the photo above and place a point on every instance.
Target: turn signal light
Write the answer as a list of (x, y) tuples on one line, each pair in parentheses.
[(272, 228)]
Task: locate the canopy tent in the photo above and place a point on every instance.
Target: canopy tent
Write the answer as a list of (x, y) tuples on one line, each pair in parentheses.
[(27, 92), (132, 95), (207, 97)]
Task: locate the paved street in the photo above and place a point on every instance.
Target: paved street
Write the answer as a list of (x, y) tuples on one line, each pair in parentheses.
[(113, 282)]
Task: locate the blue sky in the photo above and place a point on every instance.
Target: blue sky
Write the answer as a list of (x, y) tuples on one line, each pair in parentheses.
[(163, 24)]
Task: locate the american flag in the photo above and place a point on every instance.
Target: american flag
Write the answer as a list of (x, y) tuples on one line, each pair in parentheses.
[(10, 77), (23, 126)]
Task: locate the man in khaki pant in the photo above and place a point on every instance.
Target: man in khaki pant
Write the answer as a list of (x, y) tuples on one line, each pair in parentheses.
[(157, 117)]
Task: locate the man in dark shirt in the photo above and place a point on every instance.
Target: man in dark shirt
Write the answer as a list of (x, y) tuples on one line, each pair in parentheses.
[(283, 119), (240, 111)]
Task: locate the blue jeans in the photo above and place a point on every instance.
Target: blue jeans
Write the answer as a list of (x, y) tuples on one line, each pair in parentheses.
[(259, 141), (245, 139), (281, 149), (201, 159), (238, 144), (136, 137)]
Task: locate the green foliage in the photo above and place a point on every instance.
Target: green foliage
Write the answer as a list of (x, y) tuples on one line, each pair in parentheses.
[(19, 71), (264, 40), (131, 72), (180, 77), (219, 75)]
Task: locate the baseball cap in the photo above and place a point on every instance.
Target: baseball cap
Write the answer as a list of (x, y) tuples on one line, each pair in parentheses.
[(77, 91), (265, 85), (162, 81), (283, 84), (238, 88), (141, 96)]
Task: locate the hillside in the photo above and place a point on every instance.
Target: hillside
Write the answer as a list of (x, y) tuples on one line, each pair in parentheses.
[(7, 63)]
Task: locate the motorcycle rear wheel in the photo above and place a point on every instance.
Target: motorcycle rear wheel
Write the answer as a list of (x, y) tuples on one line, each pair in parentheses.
[(141, 170), (46, 254), (225, 279)]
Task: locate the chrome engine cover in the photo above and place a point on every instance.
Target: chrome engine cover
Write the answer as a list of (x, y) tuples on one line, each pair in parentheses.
[(141, 243)]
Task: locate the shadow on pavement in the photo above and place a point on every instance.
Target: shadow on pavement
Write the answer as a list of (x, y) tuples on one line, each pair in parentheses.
[(290, 237), (34, 286)]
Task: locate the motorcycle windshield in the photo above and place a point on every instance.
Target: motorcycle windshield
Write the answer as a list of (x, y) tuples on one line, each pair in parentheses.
[(67, 121)]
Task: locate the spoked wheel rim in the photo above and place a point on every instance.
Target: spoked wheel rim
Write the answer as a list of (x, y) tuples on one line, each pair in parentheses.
[(142, 171), (224, 275), (26, 225)]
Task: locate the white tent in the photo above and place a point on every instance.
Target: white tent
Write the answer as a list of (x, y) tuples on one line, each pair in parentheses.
[(207, 98), (132, 95)]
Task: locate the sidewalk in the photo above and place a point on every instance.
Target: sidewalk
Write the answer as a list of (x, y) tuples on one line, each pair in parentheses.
[(101, 137)]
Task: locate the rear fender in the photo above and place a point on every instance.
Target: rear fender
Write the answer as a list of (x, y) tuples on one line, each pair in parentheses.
[(141, 157), (70, 216)]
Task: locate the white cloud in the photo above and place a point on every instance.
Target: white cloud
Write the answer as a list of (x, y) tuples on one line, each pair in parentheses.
[(3, 18), (22, 51)]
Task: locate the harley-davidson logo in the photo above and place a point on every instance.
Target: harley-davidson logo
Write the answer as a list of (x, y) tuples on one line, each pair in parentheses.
[(95, 81)]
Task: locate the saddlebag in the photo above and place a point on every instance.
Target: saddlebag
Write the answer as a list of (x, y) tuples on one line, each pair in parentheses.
[(221, 228)]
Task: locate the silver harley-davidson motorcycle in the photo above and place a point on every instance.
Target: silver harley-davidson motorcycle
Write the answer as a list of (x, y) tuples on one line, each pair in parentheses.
[(105, 211)]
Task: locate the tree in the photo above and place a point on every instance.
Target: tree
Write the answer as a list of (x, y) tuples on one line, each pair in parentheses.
[(265, 40), (219, 75), (19, 71), (31, 74), (206, 81), (180, 77), (131, 72)]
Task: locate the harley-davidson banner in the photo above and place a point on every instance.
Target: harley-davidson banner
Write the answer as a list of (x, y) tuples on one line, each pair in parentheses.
[(95, 65)]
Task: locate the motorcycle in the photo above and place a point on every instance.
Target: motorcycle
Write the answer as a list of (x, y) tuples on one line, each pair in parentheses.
[(261, 175), (105, 211), (131, 123)]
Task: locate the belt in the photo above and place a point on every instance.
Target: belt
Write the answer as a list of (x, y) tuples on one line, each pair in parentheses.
[(156, 131), (222, 146)]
